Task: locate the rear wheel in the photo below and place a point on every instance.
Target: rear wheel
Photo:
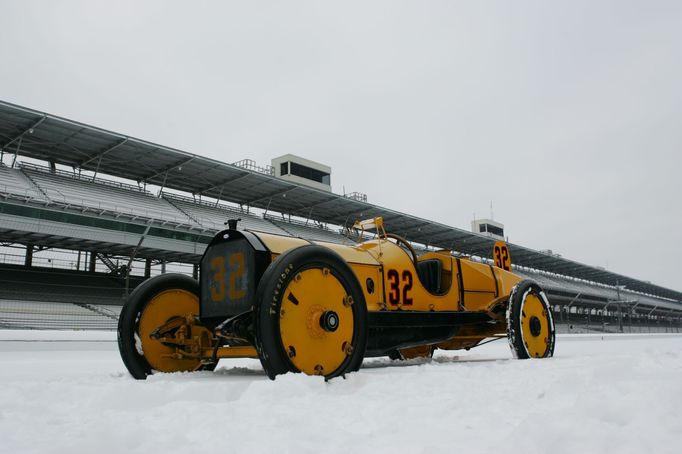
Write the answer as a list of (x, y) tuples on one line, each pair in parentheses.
[(311, 315), (530, 327), (170, 301)]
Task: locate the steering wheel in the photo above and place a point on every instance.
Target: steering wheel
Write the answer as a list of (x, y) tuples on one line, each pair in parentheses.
[(403, 242)]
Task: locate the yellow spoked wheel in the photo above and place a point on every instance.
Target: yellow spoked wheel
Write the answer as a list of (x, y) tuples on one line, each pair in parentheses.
[(530, 327), (157, 330), (311, 315)]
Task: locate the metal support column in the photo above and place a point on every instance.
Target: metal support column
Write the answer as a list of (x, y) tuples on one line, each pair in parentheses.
[(129, 266), (620, 309), (28, 261), (568, 312), (93, 261)]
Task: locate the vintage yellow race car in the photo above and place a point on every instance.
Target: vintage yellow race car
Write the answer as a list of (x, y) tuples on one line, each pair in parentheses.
[(320, 308)]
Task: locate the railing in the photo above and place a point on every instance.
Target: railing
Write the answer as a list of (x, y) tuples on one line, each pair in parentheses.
[(220, 209), (117, 211), (251, 165), (26, 196), (359, 196), (43, 262), (38, 315), (86, 179), (58, 198), (591, 320), (203, 203), (68, 260), (297, 222)]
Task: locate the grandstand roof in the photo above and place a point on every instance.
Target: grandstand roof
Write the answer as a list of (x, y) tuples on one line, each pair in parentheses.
[(39, 135)]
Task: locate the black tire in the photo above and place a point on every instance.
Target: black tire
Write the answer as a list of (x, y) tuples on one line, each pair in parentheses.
[(527, 337), (135, 362), (277, 276)]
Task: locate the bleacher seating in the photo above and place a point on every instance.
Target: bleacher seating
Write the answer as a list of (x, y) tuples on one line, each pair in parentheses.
[(55, 285), (14, 184), (550, 282), (64, 299), (19, 314), (71, 190), (586, 289), (311, 232), (214, 217)]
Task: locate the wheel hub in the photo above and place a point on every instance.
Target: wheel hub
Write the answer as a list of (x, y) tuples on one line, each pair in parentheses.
[(329, 321), (535, 326)]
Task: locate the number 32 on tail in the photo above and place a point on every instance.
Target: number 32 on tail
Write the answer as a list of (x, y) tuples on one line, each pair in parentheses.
[(502, 256)]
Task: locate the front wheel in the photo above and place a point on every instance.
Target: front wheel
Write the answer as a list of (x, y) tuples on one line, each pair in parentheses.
[(530, 327), (156, 329), (311, 315)]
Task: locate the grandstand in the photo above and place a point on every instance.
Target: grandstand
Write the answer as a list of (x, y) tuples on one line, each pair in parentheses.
[(110, 196), (101, 196)]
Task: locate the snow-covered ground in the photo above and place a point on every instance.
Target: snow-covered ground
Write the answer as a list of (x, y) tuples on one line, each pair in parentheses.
[(69, 392)]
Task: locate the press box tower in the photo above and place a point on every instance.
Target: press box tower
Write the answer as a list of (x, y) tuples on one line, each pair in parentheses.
[(488, 227), (303, 171)]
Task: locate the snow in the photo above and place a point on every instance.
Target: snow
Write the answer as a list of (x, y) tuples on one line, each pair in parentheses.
[(68, 392)]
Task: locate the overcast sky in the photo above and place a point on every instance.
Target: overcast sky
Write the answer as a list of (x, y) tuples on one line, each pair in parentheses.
[(566, 115)]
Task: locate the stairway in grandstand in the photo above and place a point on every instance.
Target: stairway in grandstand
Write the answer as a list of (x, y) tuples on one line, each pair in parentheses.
[(16, 185)]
